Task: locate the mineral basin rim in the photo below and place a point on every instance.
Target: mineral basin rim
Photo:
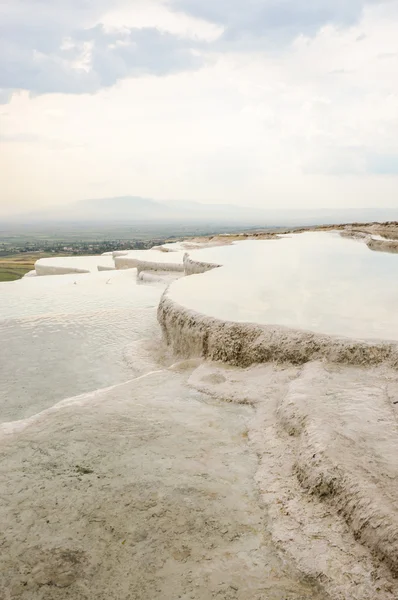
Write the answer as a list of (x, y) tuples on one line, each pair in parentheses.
[(190, 333)]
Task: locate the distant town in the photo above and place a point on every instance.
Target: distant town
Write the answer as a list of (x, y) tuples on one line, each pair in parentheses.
[(18, 257), (76, 248)]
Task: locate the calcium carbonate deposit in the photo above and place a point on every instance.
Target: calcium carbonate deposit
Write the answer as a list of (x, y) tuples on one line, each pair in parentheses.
[(202, 422)]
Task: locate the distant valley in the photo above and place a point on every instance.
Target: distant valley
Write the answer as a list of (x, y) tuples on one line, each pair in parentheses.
[(135, 210)]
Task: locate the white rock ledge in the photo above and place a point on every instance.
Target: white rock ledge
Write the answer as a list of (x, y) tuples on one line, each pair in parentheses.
[(210, 314), (346, 442), (64, 265), (150, 260), (378, 245), (190, 334), (194, 267), (44, 269), (143, 265), (322, 412)]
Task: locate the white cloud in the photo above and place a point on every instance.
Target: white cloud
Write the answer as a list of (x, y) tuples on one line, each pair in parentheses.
[(64, 47), (314, 123), (157, 13)]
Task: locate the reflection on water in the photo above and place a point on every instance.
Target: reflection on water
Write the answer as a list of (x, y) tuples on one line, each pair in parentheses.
[(315, 281), (73, 294), (69, 334), (65, 335)]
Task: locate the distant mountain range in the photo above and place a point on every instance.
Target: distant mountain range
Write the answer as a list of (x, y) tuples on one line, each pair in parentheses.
[(125, 210)]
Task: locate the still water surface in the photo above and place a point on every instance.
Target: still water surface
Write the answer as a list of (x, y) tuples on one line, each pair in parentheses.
[(314, 281), (64, 335)]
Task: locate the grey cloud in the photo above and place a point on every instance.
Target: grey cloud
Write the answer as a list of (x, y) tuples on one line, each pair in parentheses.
[(137, 52), (141, 51), (48, 73), (5, 96), (36, 58), (382, 164), (274, 18)]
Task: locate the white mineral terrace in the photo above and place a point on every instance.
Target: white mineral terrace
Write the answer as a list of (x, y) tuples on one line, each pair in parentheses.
[(313, 281), (72, 264), (202, 423)]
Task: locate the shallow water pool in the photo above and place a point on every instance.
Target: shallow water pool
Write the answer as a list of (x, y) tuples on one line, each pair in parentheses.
[(319, 282), (68, 334)]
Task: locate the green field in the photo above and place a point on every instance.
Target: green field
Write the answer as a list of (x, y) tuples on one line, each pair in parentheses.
[(11, 274), (15, 266)]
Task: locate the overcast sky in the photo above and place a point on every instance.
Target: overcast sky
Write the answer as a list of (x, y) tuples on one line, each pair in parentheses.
[(273, 103)]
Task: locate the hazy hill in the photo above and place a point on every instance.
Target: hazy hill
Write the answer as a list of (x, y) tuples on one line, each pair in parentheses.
[(134, 210)]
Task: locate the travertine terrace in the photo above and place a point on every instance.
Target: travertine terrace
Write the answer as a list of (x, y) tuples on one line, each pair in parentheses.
[(228, 453)]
